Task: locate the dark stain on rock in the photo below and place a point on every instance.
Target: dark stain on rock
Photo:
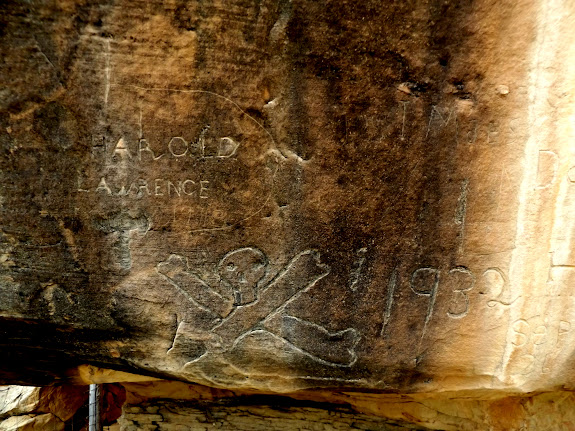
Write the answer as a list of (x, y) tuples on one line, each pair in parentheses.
[(57, 125)]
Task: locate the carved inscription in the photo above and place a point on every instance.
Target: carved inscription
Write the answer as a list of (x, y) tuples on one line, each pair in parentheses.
[(241, 305), (176, 147), (455, 119), (526, 336), (389, 301), (523, 333), (426, 282), (494, 282), (548, 169), (459, 280), (119, 228), (536, 345), (563, 330), (462, 281), (357, 269), (196, 163), (156, 187)]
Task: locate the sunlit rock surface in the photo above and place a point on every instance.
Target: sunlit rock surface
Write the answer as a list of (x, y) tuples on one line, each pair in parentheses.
[(168, 406)]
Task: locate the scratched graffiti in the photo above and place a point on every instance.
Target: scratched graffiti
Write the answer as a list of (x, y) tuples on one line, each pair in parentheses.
[(242, 304), (200, 164)]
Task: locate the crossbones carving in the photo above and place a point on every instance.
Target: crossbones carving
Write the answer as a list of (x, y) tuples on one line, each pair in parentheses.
[(248, 305)]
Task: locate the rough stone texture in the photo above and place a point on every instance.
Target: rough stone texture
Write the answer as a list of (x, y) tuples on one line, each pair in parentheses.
[(173, 416), (57, 407), (15, 400), (45, 422), (551, 411), (26, 408), (197, 407), (286, 195), (168, 405)]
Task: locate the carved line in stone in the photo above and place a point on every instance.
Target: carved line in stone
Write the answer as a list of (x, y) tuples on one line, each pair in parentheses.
[(238, 370), (178, 147), (461, 208), (553, 265), (172, 90), (121, 225), (334, 345), (404, 104), (243, 277), (249, 216), (275, 151), (241, 271), (504, 284), (391, 285), (175, 269), (528, 367), (425, 281), (309, 355), (442, 117), (523, 337), (563, 328), (529, 336), (288, 286), (144, 146), (356, 270), (159, 187), (431, 293), (227, 142), (435, 111), (522, 328), (462, 292)]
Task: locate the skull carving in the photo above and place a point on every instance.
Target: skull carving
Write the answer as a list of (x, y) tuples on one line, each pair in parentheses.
[(242, 270)]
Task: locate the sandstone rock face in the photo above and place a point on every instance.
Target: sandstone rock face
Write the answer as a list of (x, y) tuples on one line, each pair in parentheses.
[(281, 195), (32, 423), (28, 408), (15, 400), (169, 406), (196, 409), (171, 415)]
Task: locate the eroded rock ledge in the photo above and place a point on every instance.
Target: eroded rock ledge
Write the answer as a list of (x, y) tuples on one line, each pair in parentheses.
[(164, 405)]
